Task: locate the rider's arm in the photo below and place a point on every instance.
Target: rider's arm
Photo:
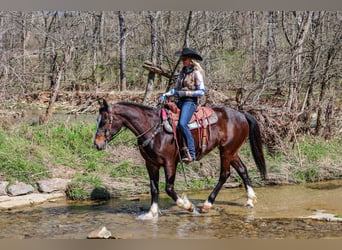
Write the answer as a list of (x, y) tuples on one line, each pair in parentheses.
[(199, 83)]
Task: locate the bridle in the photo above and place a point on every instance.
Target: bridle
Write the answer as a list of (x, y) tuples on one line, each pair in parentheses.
[(144, 143)]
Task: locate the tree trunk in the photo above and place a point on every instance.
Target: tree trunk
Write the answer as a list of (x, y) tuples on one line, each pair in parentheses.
[(253, 45), (335, 48), (186, 44), (186, 32), (154, 49), (304, 22), (270, 48), (315, 61), (48, 27), (57, 81), (123, 85), (208, 45)]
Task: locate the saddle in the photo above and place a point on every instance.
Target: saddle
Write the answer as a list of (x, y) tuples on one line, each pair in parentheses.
[(201, 120)]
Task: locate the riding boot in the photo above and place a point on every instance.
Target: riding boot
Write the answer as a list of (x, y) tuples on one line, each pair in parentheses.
[(186, 158)]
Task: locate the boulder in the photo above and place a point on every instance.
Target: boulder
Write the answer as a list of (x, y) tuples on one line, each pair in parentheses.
[(20, 188), (51, 185), (3, 186), (101, 233)]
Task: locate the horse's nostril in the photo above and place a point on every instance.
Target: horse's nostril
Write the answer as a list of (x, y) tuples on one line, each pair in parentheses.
[(96, 146), (100, 146)]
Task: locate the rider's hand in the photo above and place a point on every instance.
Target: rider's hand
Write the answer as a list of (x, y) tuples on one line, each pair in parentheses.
[(161, 99)]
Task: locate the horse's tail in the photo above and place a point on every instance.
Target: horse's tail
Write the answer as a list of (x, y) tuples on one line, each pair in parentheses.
[(256, 144)]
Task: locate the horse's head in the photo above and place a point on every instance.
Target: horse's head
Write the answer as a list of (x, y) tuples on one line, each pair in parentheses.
[(107, 125)]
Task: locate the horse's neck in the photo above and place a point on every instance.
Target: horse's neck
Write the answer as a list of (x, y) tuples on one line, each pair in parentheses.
[(138, 119)]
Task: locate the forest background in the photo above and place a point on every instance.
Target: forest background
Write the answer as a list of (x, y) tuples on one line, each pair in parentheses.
[(284, 67)]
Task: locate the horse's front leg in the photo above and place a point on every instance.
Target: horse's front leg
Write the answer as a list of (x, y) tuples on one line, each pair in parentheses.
[(153, 172), (183, 202)]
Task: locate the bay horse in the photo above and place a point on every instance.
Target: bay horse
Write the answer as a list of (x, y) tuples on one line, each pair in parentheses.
[(159, 149)]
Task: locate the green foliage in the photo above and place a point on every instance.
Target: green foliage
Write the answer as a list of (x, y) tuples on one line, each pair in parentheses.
[(81, 187), (274, 161), (314, 149), (68, 144), (306, 174), (127, 169), (20, 160), (27, 151)]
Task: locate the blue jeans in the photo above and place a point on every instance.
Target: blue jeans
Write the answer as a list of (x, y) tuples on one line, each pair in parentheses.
[(187, 110)]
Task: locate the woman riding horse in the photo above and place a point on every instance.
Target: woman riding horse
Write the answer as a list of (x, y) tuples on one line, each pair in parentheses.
[(189, 86)]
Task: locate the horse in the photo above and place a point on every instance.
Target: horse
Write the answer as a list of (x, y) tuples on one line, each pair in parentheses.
[(158, 148)]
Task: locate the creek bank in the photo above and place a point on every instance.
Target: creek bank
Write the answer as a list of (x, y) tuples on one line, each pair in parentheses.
[(21, 194), (7, 202)]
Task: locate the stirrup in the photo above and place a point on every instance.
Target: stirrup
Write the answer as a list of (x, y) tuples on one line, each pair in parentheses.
[(187, 160)]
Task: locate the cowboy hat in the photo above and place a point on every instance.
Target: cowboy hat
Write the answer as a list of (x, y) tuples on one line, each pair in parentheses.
[(189, 52)]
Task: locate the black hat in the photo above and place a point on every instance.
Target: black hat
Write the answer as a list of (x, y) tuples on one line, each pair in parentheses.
[(189, 52)]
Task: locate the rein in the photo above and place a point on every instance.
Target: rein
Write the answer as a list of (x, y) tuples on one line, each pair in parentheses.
[(148, 140)]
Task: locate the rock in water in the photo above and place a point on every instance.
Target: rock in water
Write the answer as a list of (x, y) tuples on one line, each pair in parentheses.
[(101, 233), (51, 185), (3, 186), (20, 188)]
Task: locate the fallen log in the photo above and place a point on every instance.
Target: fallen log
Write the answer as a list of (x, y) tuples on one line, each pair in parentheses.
[(158, 70)]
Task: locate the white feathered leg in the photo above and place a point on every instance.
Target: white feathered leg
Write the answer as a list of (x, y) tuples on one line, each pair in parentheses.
[(152, 213), (184, 202), (251, 197)]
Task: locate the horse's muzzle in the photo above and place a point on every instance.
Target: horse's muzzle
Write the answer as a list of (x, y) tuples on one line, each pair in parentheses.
[(100, 144), (100, 147)]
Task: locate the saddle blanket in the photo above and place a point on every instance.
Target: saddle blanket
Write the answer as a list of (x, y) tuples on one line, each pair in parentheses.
[(202, 117)]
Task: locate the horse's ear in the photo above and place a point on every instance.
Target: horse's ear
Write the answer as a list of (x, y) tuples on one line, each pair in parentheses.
[(103, 103), (104, 106)]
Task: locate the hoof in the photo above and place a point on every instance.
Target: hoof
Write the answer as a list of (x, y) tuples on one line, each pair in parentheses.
[(206, 207), (148, 216), (247, 205), (205, 210), (194, 210), (250, 202)]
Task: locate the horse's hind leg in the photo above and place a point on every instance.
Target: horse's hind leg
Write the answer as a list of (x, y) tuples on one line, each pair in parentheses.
[(226, 157), (242, 171)]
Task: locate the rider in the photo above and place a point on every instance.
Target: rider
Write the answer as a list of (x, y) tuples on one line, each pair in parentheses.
[(189, 86)]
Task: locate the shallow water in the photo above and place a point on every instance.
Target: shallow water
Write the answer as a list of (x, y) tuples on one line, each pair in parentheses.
[(278, 214)]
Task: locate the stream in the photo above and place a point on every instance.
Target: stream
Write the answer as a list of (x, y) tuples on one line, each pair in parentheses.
[(280, 213)]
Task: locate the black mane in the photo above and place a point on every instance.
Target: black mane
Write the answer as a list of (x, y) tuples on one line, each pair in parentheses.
[(137, 105)]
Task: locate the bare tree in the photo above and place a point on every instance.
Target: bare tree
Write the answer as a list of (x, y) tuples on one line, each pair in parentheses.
[(60, 69), (123, 34), (154, 49), (185, 44), (269, 54), (303, 22)]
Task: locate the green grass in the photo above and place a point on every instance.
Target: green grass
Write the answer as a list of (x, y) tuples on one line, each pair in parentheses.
[(315, 149), (82, 186), (127, 169), (27, 154), (27, 151), (20, 160)]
